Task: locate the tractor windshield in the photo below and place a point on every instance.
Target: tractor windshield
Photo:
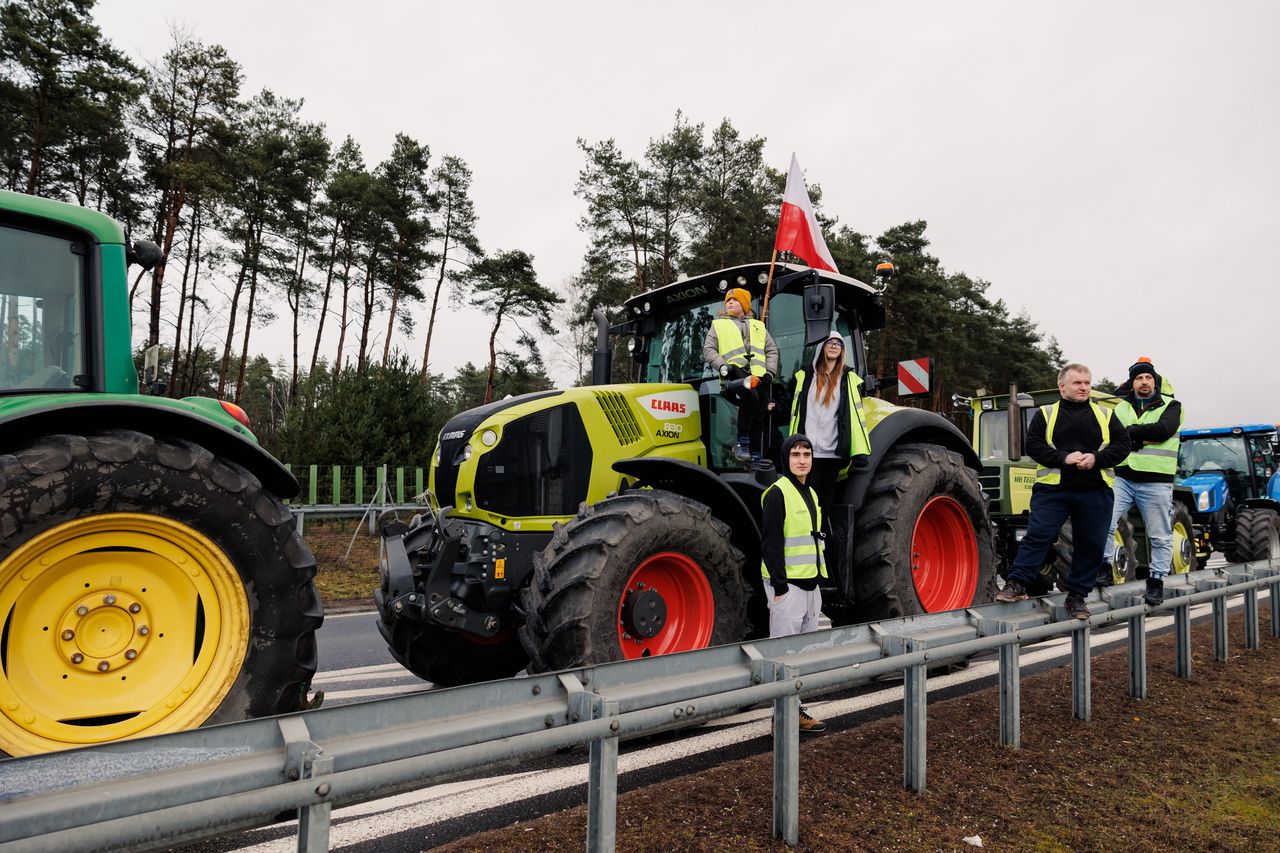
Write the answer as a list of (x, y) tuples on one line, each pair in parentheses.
[(41, 312), (993, 432), (675, 351), (1224, 453)]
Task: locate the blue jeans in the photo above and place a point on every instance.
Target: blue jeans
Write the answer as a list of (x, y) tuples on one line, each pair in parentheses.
[(1051, 507), (1155, 502)]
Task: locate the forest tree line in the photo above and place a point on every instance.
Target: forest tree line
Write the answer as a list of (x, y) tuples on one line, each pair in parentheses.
[(261, 215)]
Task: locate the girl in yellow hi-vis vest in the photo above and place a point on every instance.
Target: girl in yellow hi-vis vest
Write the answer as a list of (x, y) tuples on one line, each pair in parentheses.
[(738, 347)]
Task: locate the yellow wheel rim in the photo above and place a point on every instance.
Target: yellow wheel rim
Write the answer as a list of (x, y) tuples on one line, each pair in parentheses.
[(1184, 548), (1120, 563), (116, 626)]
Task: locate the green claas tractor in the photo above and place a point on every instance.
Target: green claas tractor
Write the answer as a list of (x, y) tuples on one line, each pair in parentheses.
[(151, 579), (613, 521), (1000, 424)]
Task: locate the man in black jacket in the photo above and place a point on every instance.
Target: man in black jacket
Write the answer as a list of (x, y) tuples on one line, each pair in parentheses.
[(1075, 444), (1153, 419)]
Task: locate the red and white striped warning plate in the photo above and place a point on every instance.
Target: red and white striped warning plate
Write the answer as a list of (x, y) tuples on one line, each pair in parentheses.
[(914, 376)]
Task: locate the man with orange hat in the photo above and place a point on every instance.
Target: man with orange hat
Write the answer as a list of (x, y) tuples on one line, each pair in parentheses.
[(737, 346), (1153, 419)]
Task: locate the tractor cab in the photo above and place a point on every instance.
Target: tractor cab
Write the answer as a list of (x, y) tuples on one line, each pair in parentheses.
[(667, 327), (1232, 472)]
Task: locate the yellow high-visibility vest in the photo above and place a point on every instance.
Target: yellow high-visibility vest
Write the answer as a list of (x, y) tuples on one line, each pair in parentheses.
[(1159, 458), (1053, 476), (734, 351), (800, 547), (859, 441)]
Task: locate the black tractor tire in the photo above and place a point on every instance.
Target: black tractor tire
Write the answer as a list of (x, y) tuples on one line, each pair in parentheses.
[(907, 478), (1185, 558), (1124, 567), (1257, 536), (579, 580), (448, 658), (163, 486)]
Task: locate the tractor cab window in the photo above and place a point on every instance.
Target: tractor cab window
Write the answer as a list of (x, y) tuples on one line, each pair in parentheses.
[(993, 432), (1225, 453), (675, 351), (786, 325), (41, 311)]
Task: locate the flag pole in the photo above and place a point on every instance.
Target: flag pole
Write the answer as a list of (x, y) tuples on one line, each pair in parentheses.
[(768, 286)]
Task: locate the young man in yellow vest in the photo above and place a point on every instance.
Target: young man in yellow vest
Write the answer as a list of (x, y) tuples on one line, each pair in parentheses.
[(737, 346), (1145, 479), (791, 551), (1075, 444)]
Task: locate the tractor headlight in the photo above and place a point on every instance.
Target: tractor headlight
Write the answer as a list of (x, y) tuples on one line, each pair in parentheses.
[(633, 345), (988, 405), (466, 453), (436, 459), (488, 438), (723, 285), (742, 281), (763, 278), (1202, 502), (647, 307)]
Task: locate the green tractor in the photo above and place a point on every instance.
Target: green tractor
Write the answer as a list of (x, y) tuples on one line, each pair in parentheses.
[(151, 578), (1000, 423), (613, 521)]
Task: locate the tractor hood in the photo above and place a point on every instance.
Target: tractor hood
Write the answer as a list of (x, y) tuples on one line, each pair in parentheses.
[(1208, 489)]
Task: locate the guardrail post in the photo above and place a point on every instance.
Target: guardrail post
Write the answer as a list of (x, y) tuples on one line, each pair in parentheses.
[(337, 485), (306, 760), (1010, 691), (602, 782), (1182, 637), (1251, 638), (915, 698), (299, 519), (359, 484), (1220, 628), (786, 758), (1081, 674), (1275, 606), (1137, 652)]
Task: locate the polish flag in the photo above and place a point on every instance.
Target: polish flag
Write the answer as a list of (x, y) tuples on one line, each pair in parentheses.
[(798, 231)]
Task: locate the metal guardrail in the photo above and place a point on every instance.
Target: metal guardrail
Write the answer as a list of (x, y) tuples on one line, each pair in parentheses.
[(183, 787)]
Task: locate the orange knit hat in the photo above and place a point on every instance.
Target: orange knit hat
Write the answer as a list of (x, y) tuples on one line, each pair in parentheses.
[(743, 297)]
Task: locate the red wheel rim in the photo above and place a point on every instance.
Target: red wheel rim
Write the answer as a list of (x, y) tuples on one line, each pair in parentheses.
[(690, 606), (944, 556)]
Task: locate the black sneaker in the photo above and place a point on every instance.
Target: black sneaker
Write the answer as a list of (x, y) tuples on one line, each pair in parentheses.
[(811, 725), (1105, 577), (1155, 591), (1076, 607), (1013, 591)]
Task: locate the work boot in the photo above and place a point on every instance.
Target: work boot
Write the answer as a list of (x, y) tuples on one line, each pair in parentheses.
[(1105, 577), (811, 725), (1155, 591), (1076, 607), (1013, 591), (742, 451)]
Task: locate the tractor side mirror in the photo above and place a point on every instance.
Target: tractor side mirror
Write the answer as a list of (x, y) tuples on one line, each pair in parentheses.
[(819, 310), (145, 254)]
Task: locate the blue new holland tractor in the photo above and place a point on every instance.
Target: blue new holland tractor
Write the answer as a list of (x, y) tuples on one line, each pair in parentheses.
[(1233, 474)]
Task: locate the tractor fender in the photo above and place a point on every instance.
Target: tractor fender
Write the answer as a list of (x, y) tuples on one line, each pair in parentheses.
[(155, 419), (907, 426), (725, 500)]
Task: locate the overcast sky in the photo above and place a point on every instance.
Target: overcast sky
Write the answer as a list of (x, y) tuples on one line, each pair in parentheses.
[(1111, 168)]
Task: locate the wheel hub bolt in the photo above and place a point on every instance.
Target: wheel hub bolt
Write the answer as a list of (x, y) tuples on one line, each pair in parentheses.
[(68, 634), (77, 658), (109, 599), (81, 610), (130, 654), (135, 607), (104, 666), (143, 631)]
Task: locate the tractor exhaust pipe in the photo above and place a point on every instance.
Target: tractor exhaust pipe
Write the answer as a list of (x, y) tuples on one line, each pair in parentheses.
[(601, 358)]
